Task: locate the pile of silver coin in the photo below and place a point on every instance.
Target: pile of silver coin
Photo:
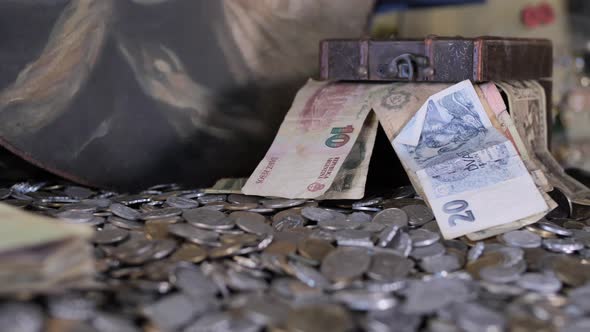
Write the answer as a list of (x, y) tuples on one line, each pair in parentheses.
[(177, 259)]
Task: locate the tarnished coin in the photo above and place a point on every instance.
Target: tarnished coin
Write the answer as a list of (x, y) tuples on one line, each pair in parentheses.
[(345, 264), (251, 222), (490, 259), (502, 273), (189, 252), (124, 212), (315, 249), (389, 267), (418, 214), (392, 217), (319, 318), (181, 202), (208, 219), (522, 239)]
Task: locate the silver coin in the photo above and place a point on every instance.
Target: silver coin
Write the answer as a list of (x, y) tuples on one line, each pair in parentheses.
[(212, 198), (309, 275), (71, 306), (440, 292), (125, 223), (343, 264), (392, 217), (78, 192), (502, 274), (193, 282), (339, 224), (208, 219), (243, 199), (124, 212), (194, 234), (402, 243), (108, 322), (181, 202), (75, 217), (20, 317), (110, 236), (567, 246), (475, 251), (539, 282), (354, 237), (318, 214), (161, 213), (436, 249), (171, 312), (422, 237), (387, 235), (251, 222), (389, 267), (418, 214), (363, 300), (473, 317), (281, 203), (553, 228), (359, 217), (367, 202), (439, 264), (522, 239)]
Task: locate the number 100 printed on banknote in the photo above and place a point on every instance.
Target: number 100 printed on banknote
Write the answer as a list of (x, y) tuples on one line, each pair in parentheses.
[(472, 176)]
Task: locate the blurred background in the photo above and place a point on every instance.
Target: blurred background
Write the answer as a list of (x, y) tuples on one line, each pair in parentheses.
[(130, 93)]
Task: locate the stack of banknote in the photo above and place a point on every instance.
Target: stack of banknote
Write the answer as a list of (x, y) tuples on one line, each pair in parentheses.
[(481, 165), (40, 254)]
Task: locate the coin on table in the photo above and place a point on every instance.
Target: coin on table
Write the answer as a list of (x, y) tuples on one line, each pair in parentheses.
[(346, 263), (208, 218)]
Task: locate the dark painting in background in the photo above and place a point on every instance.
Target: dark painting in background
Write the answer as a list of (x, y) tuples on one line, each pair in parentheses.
[(124, 94)]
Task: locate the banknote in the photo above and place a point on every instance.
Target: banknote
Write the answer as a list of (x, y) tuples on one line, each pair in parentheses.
[(227, 186), (528, 109), (326, 123), (496, 110), (471, 174), (39, 254)]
